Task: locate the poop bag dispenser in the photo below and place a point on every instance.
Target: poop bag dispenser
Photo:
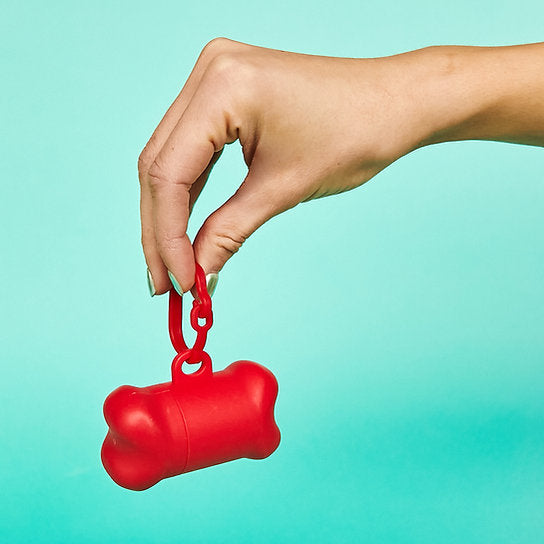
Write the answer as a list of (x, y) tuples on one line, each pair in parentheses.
[(194, 421)]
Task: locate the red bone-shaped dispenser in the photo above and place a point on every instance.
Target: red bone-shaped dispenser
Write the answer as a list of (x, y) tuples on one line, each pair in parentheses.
[(194, 421)]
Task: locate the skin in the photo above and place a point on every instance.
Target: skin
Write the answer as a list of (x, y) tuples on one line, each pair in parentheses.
[(313, 126)]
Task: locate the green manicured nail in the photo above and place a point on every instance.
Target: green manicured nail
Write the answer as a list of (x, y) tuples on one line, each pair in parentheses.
[(175, 283), (151, 284), (211, 282)]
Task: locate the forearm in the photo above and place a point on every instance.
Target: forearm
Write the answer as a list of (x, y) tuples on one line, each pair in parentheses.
[(478, 93)]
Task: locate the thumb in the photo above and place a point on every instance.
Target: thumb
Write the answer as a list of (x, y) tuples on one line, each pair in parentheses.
[(226, 229)]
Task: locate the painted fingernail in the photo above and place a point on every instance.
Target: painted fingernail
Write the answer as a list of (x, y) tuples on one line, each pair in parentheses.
[(211, 282), (175, 283), (151, 284)]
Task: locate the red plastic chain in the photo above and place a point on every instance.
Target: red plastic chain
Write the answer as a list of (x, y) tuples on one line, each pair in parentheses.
[(202, 309)]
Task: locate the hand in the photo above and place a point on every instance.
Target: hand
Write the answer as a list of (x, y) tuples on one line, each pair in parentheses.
[(312, 126), (309, 127)]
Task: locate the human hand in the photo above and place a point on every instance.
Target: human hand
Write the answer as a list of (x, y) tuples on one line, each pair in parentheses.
[(309, 126)]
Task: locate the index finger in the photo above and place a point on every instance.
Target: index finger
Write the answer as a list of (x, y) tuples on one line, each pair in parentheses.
[(185, 155)]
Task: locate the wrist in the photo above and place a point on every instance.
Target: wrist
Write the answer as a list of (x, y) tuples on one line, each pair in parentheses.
[(478, 93)]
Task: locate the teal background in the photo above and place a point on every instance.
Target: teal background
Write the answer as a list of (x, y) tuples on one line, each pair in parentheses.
[(403, 320)]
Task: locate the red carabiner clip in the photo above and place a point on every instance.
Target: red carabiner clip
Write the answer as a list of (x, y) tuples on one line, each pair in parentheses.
[(202, 309)]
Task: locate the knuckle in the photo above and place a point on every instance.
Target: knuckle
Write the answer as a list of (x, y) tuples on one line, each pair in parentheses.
[(144, 161), (157, 174), (230, 69), (229, 241), (223, 64), (217, 45)]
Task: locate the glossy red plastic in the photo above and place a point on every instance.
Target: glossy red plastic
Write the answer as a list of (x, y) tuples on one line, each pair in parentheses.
[(194, 421)]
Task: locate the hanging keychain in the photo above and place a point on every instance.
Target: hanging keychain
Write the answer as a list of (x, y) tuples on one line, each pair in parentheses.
[(194, 421)]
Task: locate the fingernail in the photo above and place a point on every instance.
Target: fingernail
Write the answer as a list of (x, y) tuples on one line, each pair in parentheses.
[(176, 284), (151, 284), (211, 282)]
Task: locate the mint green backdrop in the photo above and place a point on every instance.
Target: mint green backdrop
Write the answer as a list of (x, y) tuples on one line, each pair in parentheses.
[(403, 319)]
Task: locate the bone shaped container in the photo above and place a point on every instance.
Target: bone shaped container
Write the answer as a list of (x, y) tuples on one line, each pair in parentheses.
[(194, 421)]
